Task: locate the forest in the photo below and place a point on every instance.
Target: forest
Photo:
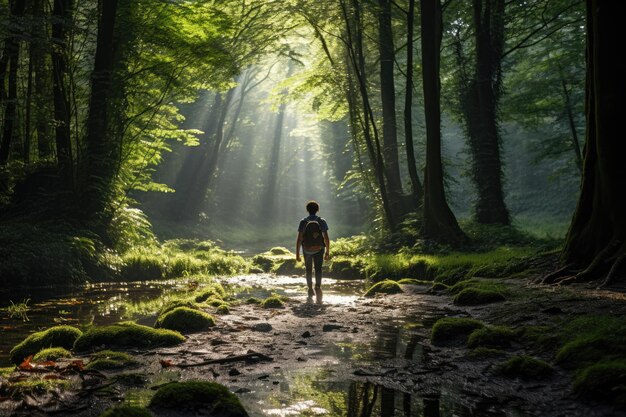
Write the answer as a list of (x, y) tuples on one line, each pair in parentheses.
[(156, 157)]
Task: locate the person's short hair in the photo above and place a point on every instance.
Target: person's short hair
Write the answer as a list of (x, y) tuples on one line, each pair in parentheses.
[(312, 207)]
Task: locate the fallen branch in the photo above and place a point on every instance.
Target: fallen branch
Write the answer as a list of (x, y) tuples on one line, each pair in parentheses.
[(259, 357)]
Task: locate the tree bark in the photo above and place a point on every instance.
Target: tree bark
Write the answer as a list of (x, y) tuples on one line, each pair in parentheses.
[(62, 18), (416, 185), (388, 101), (595, 246), (480, 105), (439, 221), (12, 53), (41, 79)]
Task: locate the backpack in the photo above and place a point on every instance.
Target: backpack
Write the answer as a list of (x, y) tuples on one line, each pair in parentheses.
[(312, 237)]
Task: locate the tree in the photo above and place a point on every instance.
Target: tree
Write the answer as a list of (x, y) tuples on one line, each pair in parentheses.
[(595, 246), (439, 221)]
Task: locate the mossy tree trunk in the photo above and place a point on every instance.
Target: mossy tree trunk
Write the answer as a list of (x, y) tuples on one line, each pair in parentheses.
[(595, 246), (439, 221)]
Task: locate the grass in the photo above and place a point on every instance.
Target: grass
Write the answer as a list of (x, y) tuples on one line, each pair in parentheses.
[(185, 320), (39, 385), (126, 335), (58, 336), (384, 287), (450, 330), (525, 367), (197, 395), (19, 310)]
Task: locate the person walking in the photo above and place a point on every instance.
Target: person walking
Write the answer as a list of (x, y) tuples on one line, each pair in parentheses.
[(315, 244)]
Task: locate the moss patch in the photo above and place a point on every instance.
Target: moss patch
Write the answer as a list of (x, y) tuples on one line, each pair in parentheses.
[(107, 360), (477, 296), (52, 354), (539, 338), (279, 250), (288, 267), (384, 287), (413, 281), (252, 300), (222, 310), (480, 353), (491, 337), (451, 330), (439, 286), (216, 302), (127, 334), (185, 320), (126, 412), (604, 381), (59, 336), (525, 367), (273, 302), (171, 305), (196, 395), (265, 263)]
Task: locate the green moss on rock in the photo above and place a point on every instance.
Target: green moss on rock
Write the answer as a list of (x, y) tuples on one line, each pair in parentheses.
[(492, 337), (198, 395), (480, 353), (273, 302), (477, 296), (384, 287), (252, 300), (288, 267), (171, 305), (525, 367), (58, 336), (52, 354), (126, 411), (216, 302), (604, 381), (413, 281), (108, 360), (222, 310), (439, 286), (279, 250), (185, 320), (265, 263), (450, 330), (127, 335)]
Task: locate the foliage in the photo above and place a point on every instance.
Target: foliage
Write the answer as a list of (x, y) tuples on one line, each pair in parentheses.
[(384, 287), (185, 320), (450, 330), (126, 335), (58, 336), (197, 395)]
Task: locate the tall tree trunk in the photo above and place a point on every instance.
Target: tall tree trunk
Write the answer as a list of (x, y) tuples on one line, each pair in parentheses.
[(388, 101), (595, 246), (439, 221), (12, 53), (62, 19), (480, 104), (416, 185), (42, 79), (102, 151), (571, 122)]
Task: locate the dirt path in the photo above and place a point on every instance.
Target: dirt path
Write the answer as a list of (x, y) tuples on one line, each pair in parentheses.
[(320, 358)]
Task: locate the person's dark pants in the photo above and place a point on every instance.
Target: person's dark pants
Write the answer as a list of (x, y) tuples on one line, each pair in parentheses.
[(316, 259)]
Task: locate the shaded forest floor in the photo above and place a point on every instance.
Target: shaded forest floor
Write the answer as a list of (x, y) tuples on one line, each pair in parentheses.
[(346, 352)]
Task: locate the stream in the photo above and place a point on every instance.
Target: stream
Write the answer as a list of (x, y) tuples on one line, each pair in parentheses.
[(329, 377)]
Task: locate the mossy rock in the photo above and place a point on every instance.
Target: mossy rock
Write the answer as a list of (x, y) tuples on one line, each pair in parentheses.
[(481, 353), (126, 411), (384, 287), (491, 337), (539, 338), (190, 396), (127, 335), (252, 300), (216, 302), (439, 286), (265, 263), (185, 320), (589, 349), (288, 267), (451, 330), (222, 310), (109, 360), (171, 305), (58, 336), (413, 281), (52, 354), (477, 296), (346, 268), (279, 250), (525, 367), (604, 381), (273, 302), (211, 293)]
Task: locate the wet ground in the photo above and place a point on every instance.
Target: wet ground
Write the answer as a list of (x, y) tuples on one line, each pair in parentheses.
[(337, 355)]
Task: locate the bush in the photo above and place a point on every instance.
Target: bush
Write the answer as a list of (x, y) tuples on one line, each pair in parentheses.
[(185, 320), (451, 330), (384, 287), (492, 337), (127, 335), (273, 302), (604, 381), (525, 367), (191, 396), (58, 336), (52, 354), (125, 411)]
